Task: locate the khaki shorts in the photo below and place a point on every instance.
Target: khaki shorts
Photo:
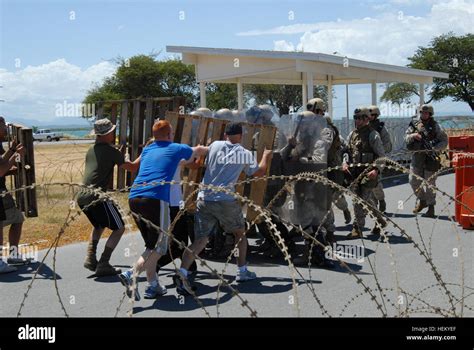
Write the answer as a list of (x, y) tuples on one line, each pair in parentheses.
[(13, 216), (210, 214)]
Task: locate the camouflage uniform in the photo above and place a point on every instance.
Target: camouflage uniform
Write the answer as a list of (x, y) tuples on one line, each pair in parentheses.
[(266, 115), (340, 201), (379, 126), (304, 157), (325, 152), (425, 164), (338, 197), (311, 199), (364, 146)]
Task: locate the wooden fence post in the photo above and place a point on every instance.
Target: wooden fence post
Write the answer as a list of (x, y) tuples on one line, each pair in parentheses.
[(122, 141)]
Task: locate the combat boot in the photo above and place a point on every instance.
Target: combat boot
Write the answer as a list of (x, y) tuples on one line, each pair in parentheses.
[(105, 269), (378, 228), (355, 233), (347, 216), (303, 259), (318, 256), (382, 206), (430, 212), (420, 206), (330, 238), (90, 262)]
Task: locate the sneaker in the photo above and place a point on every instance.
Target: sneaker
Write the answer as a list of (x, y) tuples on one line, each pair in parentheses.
[(5, 268), (126, 278), (154, 292), (183, 287), (105, 269), (19, 260), (245, 276)]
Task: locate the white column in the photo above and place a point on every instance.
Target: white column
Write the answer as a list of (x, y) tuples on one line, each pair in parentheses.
[(310, 84), (202, 93), (347, 109), (240, 95), (330, 96), (305, 92), (422, 93), (374, 93)]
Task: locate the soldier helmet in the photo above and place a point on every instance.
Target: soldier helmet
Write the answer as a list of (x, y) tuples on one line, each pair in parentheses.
[(427, 108), (361, 111), (306, 114), (203, 112), (374, 110), (316, 103), (267, 113), (237, 116), (253, 114), (224, 113), (262, 114)]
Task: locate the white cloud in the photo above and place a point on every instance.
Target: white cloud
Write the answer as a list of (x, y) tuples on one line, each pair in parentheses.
[(381, 7), (404, 2), (389, 37), (34, 91), (283, 45), (412, 2)]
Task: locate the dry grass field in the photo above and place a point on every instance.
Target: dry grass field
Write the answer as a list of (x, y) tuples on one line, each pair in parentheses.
[(58, 163)]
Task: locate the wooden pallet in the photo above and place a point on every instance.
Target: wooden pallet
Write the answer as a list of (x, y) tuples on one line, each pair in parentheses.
[(134, 119), (26, 199), (209, 130)]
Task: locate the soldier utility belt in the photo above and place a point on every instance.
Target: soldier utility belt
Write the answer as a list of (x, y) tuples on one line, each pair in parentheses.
[(305, 160), (366, 158)]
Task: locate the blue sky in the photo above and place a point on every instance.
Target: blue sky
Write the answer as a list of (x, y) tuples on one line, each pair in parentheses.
[(41, 31), (47, 58)]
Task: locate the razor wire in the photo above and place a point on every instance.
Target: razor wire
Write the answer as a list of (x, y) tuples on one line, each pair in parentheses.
[(376, 293)]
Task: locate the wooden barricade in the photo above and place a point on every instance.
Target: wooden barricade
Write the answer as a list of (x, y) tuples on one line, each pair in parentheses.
[(255, 138), (134, 119), (25, 174)]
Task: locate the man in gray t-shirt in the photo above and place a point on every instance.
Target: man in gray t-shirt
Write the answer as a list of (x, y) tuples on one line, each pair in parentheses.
[(225, 162)]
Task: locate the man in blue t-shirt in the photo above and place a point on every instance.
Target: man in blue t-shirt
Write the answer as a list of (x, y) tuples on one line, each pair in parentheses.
[(149, 203), (224, 163)]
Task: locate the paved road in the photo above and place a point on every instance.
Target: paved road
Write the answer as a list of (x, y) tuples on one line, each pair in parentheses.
[(272, 294)]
